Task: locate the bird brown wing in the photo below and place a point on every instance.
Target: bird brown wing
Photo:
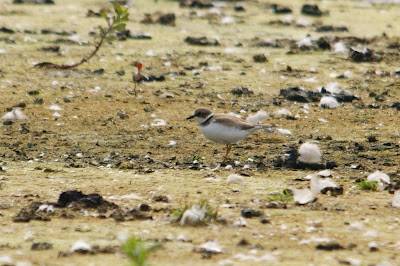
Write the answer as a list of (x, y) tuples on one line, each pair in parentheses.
[(228, 120)]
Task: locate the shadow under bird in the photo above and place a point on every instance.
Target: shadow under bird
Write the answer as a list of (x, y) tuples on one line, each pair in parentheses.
[(224, 129)]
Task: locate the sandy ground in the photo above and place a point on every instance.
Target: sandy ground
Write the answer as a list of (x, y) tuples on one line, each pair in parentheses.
[(105, 140)]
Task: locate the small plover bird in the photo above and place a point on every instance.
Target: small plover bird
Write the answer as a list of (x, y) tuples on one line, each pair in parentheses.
[(222, 128), (138, 76)]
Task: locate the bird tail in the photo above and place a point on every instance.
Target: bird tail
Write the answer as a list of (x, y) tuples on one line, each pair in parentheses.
[(268, 127)]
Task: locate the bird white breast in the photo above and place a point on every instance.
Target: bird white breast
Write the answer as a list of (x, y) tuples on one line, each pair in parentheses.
[(224, 134)]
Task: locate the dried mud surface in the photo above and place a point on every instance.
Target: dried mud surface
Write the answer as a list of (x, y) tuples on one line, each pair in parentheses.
[(137, 153)]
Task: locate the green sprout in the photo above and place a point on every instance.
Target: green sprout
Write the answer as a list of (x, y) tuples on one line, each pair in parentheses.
[(114, 23), (198, 158), (138, 251), (284, 196), (368, 185), (210, 212)]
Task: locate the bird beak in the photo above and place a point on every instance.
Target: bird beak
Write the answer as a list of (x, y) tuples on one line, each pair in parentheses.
[(190, 117)]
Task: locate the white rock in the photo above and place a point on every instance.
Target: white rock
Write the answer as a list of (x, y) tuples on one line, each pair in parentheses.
[(240, 222), (54, 107), (373, 245), (229, 167), (80, 245), (56, 115), (158, 122), (45, 208), (288, 19), (29, 235), (226, 262), (258, 117), (265, 258), (15, 114), (305, 42), (380, 177), (150, 53), (302, 22), (172, 143), (235, 178), (95, 89), (328, 102), (126, 196), (357, 226), (396, 199), (6, 260), (303, 196), (283, 112), (309, 153), (210, 246), (333, 87), (193, 216), (314, 239), (284, 131), (341, 48), (348, 74), (317, 184), (227, 20), (353, 261), (325, 173)]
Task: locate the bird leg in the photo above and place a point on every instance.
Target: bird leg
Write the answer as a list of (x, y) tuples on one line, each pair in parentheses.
[(228, 150), (135, 88)]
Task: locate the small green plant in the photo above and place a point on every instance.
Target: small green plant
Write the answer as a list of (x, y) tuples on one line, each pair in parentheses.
[(368, 185), (114, 23), (284, 196), (138, 251), (210, 212), (198, 158), (178, 213)]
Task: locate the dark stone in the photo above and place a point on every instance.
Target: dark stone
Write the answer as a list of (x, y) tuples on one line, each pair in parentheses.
[(249, 213), (80, 200), (120, 72), (300, 95), (150, 78), (144, 207), (243, 243), (41, 246), (35, 92), (372, 138), (323, 44), (35, 2), (330, 246), (241, 91), (202, 41), (393, 187), (275, 205), (366, 55), (280, 9), (260, 58), (334, 191), (7, 30), (99, 71), (161, 199), (265, 221), (54, 49), (167, 19), (196, 3), (239, 8), (329, 28), (396, 105), (311, 10)]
